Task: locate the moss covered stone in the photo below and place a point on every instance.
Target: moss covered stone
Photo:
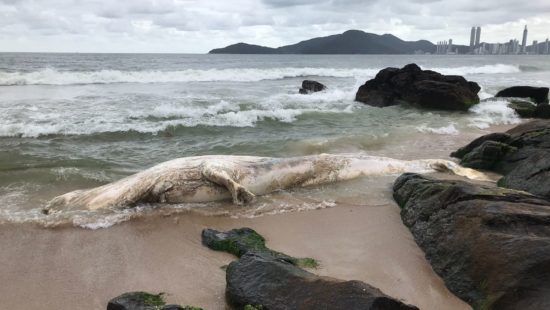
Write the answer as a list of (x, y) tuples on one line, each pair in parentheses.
[(243, 240), (236, 241)]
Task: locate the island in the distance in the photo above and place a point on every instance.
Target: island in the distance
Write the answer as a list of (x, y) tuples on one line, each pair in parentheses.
[(349, 42)]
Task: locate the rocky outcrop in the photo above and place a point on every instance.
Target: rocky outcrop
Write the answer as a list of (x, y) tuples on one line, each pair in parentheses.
[(421, 88), (490, 245), (521, 155), (272, 280), (143, 301), (309, 87), (537, 94)]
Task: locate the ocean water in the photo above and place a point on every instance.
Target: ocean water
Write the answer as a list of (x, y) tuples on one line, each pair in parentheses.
[(70, 121)]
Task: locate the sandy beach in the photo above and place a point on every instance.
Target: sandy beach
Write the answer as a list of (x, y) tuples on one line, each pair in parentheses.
[(69, 268)]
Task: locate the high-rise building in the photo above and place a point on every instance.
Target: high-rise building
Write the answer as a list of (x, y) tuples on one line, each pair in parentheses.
[(524, 41), (478, 36), (535, 48), (547, 47), (472, 39), (450, 46)]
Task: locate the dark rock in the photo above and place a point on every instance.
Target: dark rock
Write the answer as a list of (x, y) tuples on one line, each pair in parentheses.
[(487, 155), (309, 87), (243, 240), (266, 279), (262, 279), (523, 108), (537, 94), (490, 245), (542, 111), (497, 137), (143, 301), (522, 155), (136, 301), (422, 88)]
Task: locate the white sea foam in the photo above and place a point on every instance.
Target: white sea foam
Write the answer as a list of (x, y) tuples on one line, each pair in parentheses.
[(486, 69), (55, 77), (445, 130), (52, 76), (493, 112), (103, 117)]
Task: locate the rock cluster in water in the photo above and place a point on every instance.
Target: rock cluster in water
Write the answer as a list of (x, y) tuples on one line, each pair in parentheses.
[(271, 280), (491, 245), (422, 88), (527, 101)]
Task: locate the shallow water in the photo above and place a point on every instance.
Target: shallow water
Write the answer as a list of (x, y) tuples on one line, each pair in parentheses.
[(72, 121)]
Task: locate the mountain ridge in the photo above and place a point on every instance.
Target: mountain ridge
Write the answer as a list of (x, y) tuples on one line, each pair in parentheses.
[(348, 42)]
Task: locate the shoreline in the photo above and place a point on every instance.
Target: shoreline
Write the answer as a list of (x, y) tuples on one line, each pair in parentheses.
[(357, 239)]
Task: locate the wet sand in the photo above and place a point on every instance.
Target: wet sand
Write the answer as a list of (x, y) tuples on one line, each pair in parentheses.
[(75, 268)]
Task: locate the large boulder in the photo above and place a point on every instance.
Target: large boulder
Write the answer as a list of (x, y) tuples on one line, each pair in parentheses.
[(521, 155), (269, 279), (537, 94), (261, 279), (490, 245), (309, 87), (422, 88)]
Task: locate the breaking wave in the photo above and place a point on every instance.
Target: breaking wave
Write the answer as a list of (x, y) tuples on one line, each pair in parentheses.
[(52, 76), (284, 108), (493, 112)]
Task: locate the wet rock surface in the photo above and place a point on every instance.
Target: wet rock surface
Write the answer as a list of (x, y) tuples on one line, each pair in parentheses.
[(537, 94), (272, 280), (143, 301), (521, 155), (490, 245), (309, 87), (421, 88)]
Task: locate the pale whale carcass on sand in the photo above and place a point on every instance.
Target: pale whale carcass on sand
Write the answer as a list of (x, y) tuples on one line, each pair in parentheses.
[(218, 177)]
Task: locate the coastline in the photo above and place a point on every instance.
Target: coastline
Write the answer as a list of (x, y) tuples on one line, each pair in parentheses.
[(354, 240)]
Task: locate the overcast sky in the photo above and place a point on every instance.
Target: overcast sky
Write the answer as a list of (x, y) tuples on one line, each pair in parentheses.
[(196, 26)]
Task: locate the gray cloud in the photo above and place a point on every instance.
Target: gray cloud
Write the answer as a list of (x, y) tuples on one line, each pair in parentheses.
[(197, 26)]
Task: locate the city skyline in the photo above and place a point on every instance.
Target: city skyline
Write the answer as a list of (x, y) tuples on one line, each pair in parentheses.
[(477, 46)]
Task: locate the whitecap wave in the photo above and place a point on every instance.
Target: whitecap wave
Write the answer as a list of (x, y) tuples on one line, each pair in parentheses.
[(51, 76), (486, 69), (55, 77), (284, 108), (445, 130), (493, 112)]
